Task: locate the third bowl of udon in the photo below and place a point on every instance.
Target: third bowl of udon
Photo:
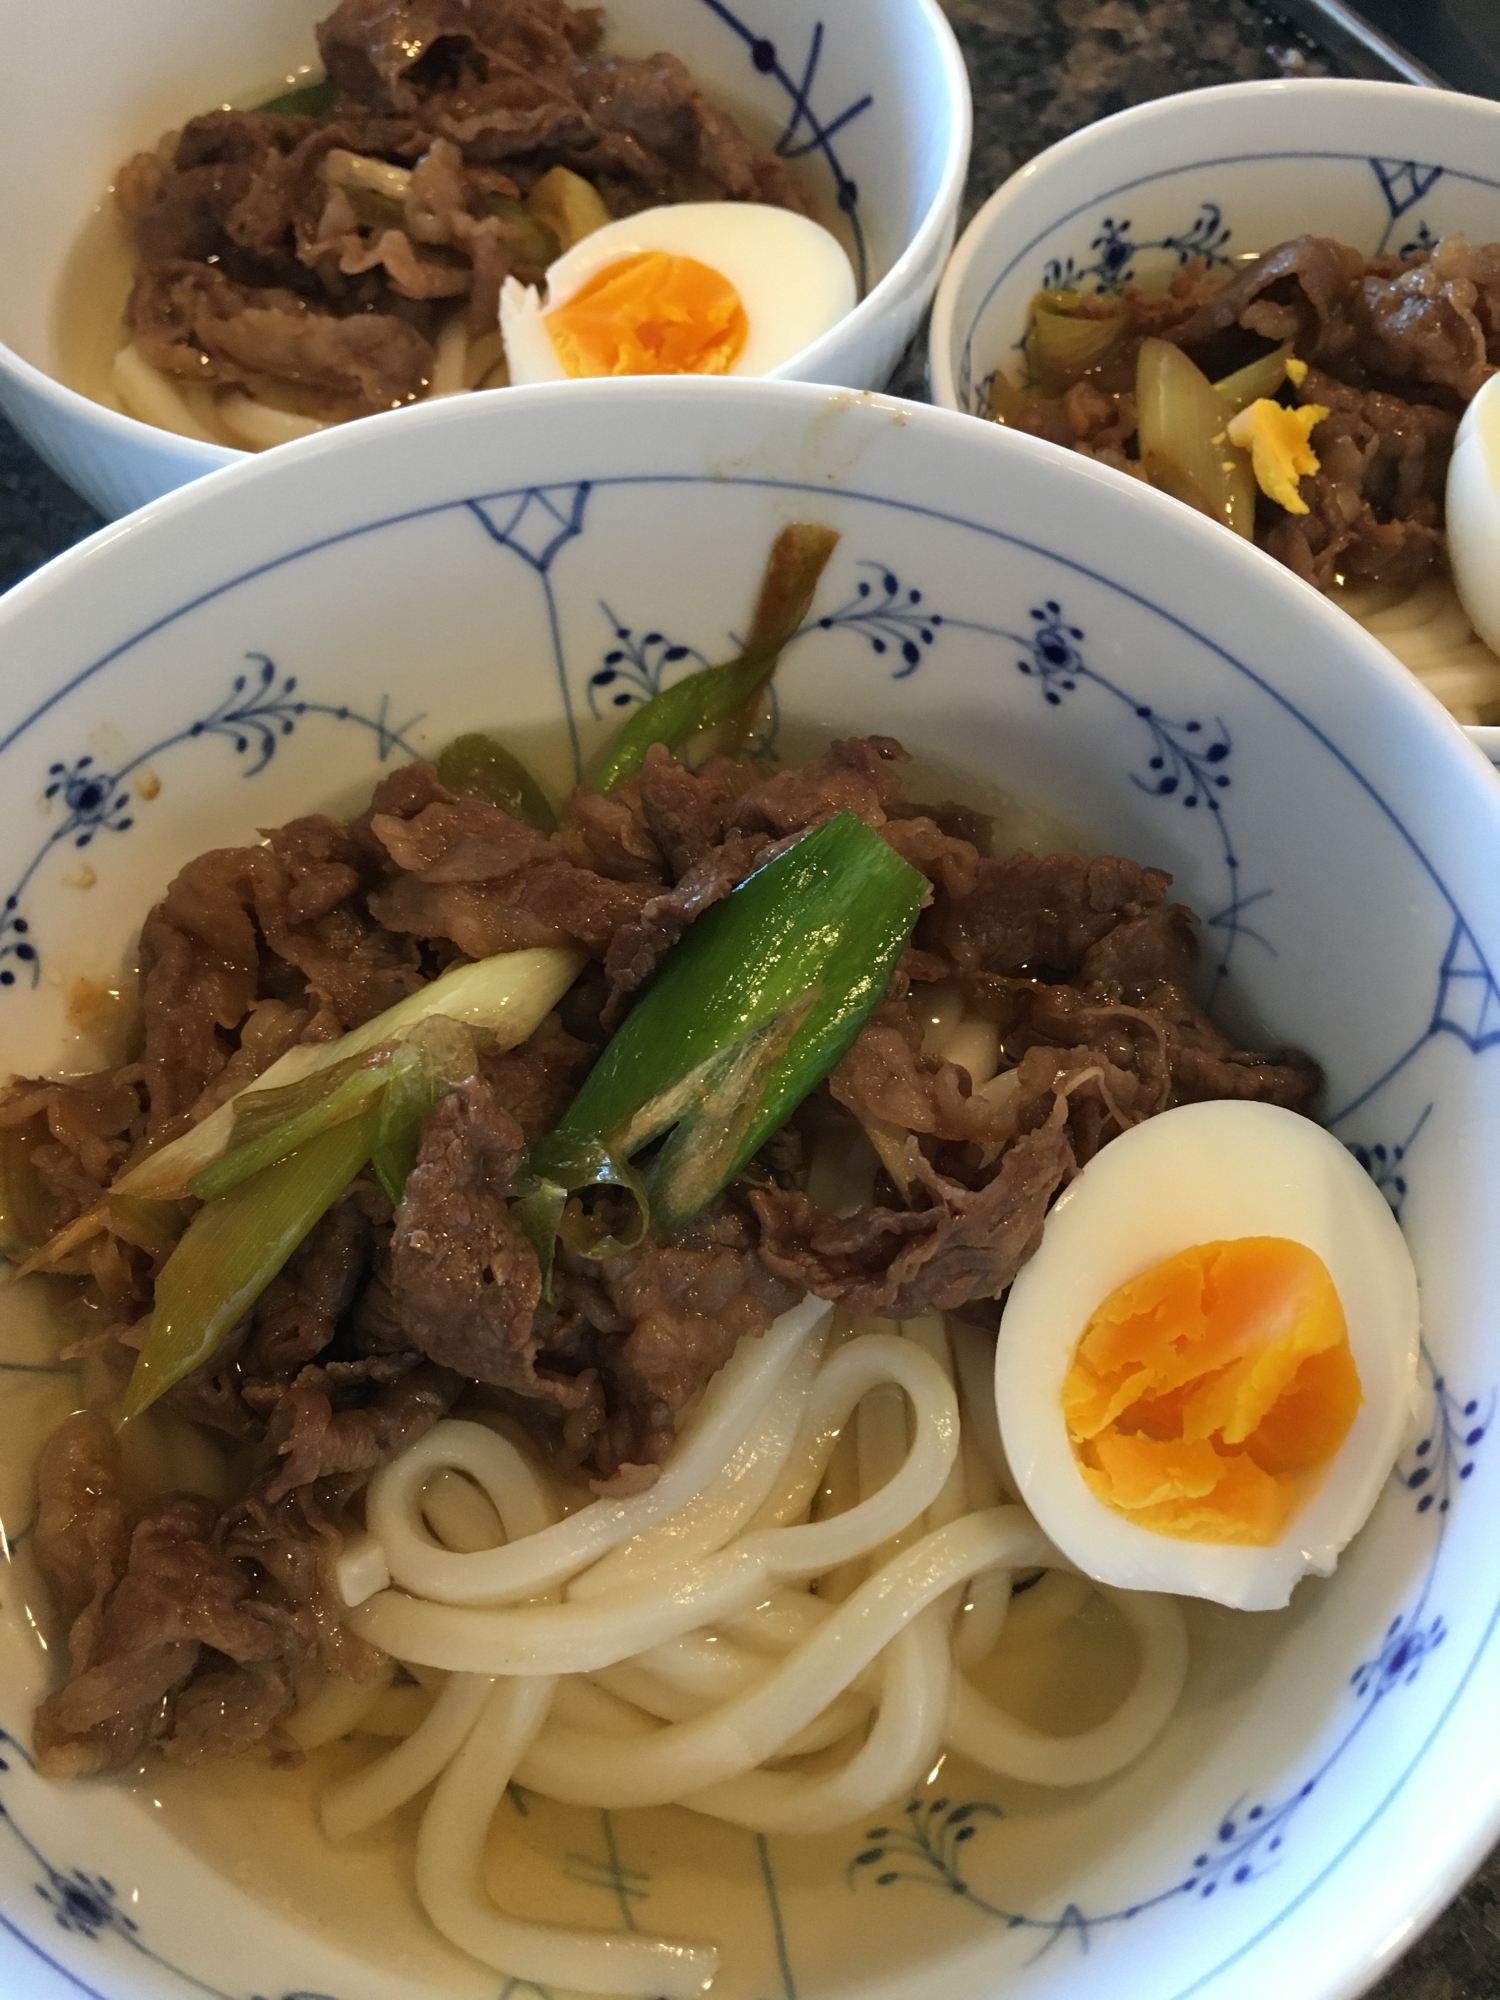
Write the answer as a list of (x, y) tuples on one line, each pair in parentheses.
[(557, 958), (1345, 226)]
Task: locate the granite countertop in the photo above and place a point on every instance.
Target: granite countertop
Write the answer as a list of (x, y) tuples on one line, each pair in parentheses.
[(1040, 69)]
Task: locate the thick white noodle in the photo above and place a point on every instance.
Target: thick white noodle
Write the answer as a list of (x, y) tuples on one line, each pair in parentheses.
[(705, 1523), (581, 1637), (978, 1630), (338, 1706), (686, 1756), (894, 1758), (450, 1876), (261, 425), (667, 1647), (1012, 1749), (365, 1799), (155, 398), (730, 1406), (974, 1367)]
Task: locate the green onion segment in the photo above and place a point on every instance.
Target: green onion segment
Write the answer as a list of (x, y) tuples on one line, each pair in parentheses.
[(234, 1247), (717, 695), (748, 1013), (509, 995)]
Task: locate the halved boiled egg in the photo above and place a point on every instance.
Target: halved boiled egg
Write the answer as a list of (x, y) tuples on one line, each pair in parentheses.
[(1473, 513), (702, 288), (1204, 1374)]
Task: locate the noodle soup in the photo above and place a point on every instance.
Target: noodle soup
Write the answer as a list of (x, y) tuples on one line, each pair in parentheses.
[(1098, 1844)]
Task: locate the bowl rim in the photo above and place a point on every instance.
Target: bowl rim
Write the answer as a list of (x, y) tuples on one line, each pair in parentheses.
[(1163, 111), (1428, 1885), (937, 218)]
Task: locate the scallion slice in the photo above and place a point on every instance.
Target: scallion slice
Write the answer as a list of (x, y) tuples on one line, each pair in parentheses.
[(717, 695), (748, 1013)]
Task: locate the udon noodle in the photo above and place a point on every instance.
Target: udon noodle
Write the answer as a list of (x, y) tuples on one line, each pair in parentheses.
[(680, 1646), (1429, 631)]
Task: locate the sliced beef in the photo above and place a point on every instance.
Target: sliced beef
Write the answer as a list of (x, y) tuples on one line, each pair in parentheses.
[(76, 1135), (962, 1244), (859, 775), (641, 1333), (1295, 292), (464, 1278), (1039, 912), (687, 812), (1376, 502), (177, 1594), (190, 320)]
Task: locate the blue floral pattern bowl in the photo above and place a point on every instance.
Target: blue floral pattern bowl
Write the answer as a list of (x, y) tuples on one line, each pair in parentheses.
[(1219, 175), (873, 116), (268, 641)]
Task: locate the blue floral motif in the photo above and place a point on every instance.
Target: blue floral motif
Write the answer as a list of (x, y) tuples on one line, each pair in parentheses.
[(887, 616), (85, 1906), (1424, 240), (635, 666), (1467, 1006), (1186, 758), (1115, 252), (1385, 1164), (1404, 183), (260, 709), (536, 525), (608, 1872), (926, 1846), (1443, 1456)]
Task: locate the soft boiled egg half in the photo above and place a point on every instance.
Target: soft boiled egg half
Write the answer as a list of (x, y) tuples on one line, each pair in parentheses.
[(1205, 1372), (1473, 513), (702, 288)]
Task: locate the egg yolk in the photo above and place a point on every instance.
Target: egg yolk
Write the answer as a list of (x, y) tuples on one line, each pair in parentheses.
[(1279, 443), (651, 314), (1203, 1388)]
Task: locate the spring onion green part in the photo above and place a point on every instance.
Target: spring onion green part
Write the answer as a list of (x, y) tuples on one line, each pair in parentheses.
[(485, 769), (717, 694), (312, 100), (747, 1014), (1262, 377), (234, 1247), (509, 995), (1184, 449)]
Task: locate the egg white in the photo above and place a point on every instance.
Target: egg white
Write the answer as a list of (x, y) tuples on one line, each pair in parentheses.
[(1200, 1174), (1473, 513), (793, 278)]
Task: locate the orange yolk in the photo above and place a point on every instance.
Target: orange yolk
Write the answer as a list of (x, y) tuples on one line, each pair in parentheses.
[(651, 314), (1204, 1387)]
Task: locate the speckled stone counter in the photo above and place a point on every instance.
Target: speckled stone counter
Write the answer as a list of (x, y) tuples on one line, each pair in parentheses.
[(1040, 69)]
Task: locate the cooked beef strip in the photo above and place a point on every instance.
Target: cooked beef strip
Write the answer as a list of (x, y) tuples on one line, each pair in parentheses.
[(175, 1595), (1376, 502)]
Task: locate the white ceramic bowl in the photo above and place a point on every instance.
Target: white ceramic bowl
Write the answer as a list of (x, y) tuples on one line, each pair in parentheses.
[(1213, 173), (878, 109), (261, 644)]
